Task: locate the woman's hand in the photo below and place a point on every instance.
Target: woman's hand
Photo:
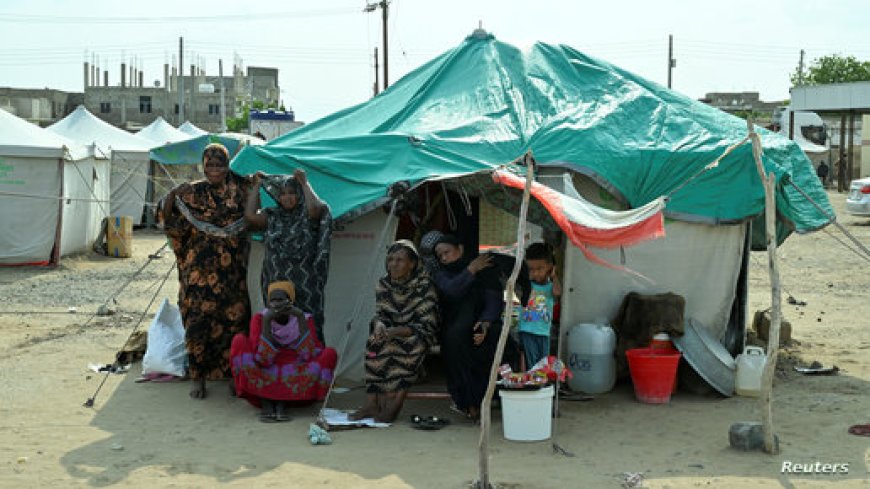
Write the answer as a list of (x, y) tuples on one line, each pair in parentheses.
[(479, 263), (300, 176), (380, 331), (479, 332), (259, 176)]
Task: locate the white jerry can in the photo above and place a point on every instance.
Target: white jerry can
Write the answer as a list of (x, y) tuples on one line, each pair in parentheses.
[(750, 365)]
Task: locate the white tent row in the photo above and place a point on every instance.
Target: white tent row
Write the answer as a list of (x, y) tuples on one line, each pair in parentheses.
[(128, 154), (53, 194)]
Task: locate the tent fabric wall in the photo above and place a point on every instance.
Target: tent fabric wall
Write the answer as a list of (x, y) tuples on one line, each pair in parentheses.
[(697, 261), (129, 181), (87, 193), (29, 223)]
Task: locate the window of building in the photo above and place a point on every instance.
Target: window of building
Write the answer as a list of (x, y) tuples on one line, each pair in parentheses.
[(176, 109), (214, 109), (105, 107), (145, 104)]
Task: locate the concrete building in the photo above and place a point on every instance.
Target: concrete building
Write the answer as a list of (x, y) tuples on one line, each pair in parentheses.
[(196, 96), (39, 106)]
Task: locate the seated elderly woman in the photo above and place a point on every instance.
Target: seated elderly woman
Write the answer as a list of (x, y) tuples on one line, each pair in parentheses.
[(281, 359), (404, 327)]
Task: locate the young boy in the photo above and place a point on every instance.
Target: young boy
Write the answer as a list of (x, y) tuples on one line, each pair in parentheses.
[(536, 315)]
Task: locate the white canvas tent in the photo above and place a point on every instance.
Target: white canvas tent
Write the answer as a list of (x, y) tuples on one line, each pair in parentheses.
[(128, 154), (189, 128), (161, 132), (53, 194)]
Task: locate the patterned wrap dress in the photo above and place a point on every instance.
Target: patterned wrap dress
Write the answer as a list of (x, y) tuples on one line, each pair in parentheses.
[(212, 292), (297, 249), (391, 365), (299, 371)]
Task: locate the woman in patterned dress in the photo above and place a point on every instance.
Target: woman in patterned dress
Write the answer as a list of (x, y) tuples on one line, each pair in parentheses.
[(204, 223), (281, 359), (296, 237), (404, 327)]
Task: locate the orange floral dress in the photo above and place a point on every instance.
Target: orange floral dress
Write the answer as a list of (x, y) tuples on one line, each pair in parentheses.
[(212, 273)]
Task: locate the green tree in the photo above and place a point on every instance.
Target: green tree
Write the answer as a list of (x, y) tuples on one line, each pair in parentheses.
[(832, 69), (240, 123)]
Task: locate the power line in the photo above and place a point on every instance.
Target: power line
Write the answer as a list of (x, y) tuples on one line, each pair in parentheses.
[(54, 19)]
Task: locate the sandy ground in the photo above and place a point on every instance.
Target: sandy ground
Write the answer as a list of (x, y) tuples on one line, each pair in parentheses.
[(153, 435)]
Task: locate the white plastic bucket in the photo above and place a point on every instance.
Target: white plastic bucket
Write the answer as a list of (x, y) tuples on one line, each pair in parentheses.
[(527, 415)]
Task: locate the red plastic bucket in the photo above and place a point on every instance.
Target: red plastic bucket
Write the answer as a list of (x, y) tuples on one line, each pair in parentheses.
[(653, 372)]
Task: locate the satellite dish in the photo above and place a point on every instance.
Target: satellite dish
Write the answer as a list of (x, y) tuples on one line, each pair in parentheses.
[(157, 83)]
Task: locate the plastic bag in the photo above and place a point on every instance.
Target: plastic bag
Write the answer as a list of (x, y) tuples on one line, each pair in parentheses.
[(165, 353)]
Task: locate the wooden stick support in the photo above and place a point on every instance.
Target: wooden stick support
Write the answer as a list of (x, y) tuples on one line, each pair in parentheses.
[(483, 448), (769, 182)]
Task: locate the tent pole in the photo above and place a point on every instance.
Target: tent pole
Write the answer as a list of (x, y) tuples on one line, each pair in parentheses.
[(483, 449), (769, 182)]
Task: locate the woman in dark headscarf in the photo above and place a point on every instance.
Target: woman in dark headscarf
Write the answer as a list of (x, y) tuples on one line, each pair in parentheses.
[(471, 308), (296, 236), (404, 327), (204, 223)]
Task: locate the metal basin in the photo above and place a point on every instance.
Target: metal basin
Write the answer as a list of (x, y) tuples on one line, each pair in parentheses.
[(707, 356)]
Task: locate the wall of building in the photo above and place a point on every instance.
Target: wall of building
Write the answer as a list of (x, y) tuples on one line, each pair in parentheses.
[(39, 106)]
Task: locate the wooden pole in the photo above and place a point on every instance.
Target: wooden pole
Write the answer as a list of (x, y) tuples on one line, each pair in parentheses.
[(841, 163), (850, 151), (483, 448), (769, 182)]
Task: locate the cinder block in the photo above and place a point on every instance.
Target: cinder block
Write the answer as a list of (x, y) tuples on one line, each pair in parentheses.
[(749, 436)]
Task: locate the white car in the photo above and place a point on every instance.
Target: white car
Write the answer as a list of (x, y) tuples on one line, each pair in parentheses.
[(858, 201)]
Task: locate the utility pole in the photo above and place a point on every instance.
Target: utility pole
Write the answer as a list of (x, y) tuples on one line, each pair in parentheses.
[(384, 6), (376, 71), (672, 63), (180, 80), (223, 101), (801, 69)]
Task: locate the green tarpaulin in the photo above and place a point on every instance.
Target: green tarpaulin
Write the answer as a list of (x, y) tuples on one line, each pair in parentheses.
[(485, 103), (189, 151)]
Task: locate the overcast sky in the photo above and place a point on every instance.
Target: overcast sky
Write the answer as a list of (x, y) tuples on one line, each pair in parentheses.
[(324, 49)]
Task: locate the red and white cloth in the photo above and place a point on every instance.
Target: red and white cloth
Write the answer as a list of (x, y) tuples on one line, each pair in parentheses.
[(586, 224)]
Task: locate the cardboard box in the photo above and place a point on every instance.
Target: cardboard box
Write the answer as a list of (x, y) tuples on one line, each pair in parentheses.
[(119, 236)]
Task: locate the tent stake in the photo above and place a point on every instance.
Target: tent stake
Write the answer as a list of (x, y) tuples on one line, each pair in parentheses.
[(769, 181), (483, 450)]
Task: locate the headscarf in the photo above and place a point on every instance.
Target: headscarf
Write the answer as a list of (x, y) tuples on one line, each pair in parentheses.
[(407, 245), (459, 264), (274, 184), (427, 250), (216, 150), (285, 285)]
